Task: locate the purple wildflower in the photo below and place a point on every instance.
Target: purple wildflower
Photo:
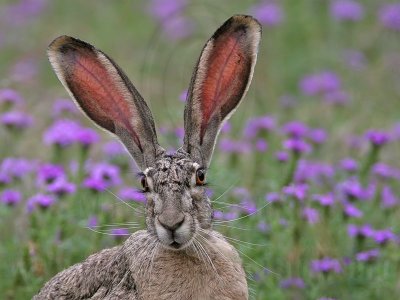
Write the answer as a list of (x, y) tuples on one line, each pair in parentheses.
[(12, 167), (346, 10), (61, 187), (183, 96), (10, 197), (109, 174), (218, 215), (10, 97), (295, 129), (293, 282), (16, 119), (311, 215), (389, 199), (367, 230), (317, 135), (297, 191), (273, 197), (320, 83), (87, 137), (165, 9), (325, 199), (40, 200), (119, 232), (24, 11), (209, 192), (92, 222), (61, 106), (383, 171), (326, 265), (352, 211), (268, 13), (226, 127), (354, 190), (179, 133), (263, 227), (248, 206), (49, 173), (232, 146), (131, 194), (349, 165), (62, 133), (377, 138), (261, 145), (297, 146), (255, 125), (382, 237), (389, 16), (368, 256), (95, 184), (282, 156), (114, 148)]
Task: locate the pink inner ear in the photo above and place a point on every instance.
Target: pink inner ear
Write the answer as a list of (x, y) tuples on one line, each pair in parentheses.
[(99, 95), (223, 84)]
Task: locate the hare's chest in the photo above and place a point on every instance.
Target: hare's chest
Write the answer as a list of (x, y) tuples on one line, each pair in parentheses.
[(195, 276)]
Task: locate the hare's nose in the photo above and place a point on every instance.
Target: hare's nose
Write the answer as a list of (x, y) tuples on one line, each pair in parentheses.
[(171, 223)]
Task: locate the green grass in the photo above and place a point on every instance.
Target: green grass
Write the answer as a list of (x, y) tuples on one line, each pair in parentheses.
[(34, 247)]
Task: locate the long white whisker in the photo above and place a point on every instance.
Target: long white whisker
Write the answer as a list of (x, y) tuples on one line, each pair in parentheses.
[(126, 203), (248, 215), (105, 233), (229, 226), (227, 190), (264, 268)]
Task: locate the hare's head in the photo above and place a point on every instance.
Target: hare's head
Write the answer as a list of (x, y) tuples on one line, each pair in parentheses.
[(177, 205)]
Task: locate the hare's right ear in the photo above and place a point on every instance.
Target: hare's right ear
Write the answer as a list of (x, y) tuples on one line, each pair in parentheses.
[(106, 95), (220, 81)]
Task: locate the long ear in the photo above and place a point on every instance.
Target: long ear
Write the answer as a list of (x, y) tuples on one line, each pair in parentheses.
[(219, 82), (106, 95)]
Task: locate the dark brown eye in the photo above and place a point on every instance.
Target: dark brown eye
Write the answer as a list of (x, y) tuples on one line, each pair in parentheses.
[(200, 177), (143, 181)]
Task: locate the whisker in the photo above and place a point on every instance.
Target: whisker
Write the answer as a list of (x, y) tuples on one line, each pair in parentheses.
[(106, 233), (229, 205), (126, 203), (229, 226), (115, 225), (227, 190), (264, 268), (248, 215)]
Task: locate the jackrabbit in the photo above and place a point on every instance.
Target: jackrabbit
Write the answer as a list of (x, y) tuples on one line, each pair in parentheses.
[(179, 255)]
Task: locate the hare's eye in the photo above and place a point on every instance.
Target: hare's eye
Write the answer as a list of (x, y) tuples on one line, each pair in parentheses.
[(144, 183), (200, 177)]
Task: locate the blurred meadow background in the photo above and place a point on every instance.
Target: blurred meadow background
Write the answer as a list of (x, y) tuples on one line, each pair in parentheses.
[(305, 179)]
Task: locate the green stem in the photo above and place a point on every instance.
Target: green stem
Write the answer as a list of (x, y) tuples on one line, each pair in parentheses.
[(292, 168)]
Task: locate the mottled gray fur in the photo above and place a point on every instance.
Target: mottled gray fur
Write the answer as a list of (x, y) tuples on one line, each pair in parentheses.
[(179, 255)]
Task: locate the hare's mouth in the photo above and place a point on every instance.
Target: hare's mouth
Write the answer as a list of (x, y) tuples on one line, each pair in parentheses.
[(177, 239)]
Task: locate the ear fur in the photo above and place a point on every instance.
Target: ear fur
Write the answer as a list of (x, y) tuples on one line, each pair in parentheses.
[(219, 83), (105, 94)]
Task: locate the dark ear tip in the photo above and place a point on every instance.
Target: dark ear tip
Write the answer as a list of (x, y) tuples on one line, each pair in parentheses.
[(65, 42), (248, 20), (58, 42), (240, 23)]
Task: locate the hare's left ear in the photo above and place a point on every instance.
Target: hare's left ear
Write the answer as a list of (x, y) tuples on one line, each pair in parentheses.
[(219, 82)]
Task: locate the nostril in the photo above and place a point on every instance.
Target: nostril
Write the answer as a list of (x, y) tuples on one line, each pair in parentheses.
[(171, 224)]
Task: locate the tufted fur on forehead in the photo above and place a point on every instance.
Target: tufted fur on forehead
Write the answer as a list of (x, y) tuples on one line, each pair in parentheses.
[(172, 171)]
